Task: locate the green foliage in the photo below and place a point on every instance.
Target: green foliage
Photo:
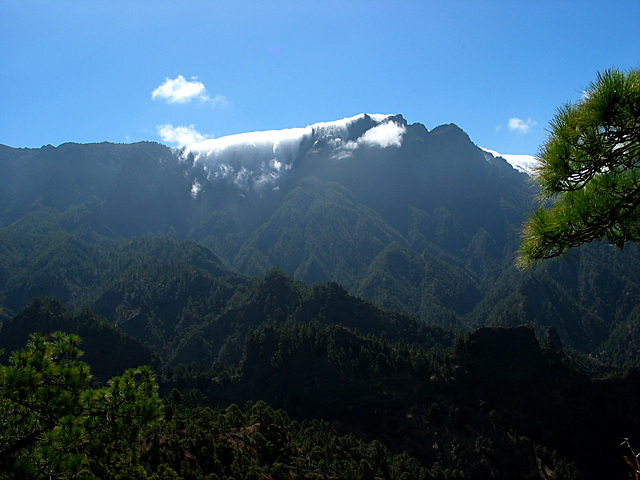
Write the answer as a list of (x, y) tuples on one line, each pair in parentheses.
[(622, 348), (276, 299), (260, 442), (318, 230), (590, 171), (356, 407), (52, 423), (109, 352)]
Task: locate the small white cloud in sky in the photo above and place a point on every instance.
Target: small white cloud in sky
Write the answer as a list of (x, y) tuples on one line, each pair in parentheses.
[(521, 126), (181, 135), (181, 90)]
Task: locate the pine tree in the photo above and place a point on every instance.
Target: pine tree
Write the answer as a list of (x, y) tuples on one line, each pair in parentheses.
[(53, 424), (589, 172)]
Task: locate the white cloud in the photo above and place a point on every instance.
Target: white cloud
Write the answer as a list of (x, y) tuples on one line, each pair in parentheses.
[(258, 159), (523, 163), (195, 189), (384, 135), (181, 90), (218, 100), (521, 126), (181, 135)]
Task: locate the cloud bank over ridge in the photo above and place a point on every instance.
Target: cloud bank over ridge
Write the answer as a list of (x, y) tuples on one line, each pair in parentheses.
[(523, 163), (259, 159)]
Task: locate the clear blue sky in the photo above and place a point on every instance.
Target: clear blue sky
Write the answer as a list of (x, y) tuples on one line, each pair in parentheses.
[(86, 71)]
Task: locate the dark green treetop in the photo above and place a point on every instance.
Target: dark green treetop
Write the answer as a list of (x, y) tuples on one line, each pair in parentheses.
[(589, 171), (53, 424)]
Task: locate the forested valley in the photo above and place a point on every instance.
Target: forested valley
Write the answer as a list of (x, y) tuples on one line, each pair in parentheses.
[(363, 319)]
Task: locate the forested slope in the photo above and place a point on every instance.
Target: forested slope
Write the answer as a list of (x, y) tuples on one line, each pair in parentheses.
[(365, 292)]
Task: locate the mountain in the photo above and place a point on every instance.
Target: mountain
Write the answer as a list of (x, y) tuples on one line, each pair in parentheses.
[(357, 274), (376, 181), (421, 221)]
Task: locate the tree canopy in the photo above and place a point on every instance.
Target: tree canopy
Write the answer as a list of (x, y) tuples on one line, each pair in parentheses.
[(589, 173), (53, 424)]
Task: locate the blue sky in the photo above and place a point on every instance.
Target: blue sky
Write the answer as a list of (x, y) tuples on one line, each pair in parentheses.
[(86, 70)]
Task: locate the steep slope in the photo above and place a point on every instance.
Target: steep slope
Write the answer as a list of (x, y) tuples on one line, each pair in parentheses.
[(429, 188), (400, 279), (230, 186), (48, 253), (277, 299), (318, 233), (585, 297)]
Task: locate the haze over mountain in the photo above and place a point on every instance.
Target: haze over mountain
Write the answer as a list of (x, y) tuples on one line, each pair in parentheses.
[(423, 221)]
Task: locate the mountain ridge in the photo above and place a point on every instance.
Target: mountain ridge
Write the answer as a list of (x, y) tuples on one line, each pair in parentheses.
[(350, 129), (427, 225)]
